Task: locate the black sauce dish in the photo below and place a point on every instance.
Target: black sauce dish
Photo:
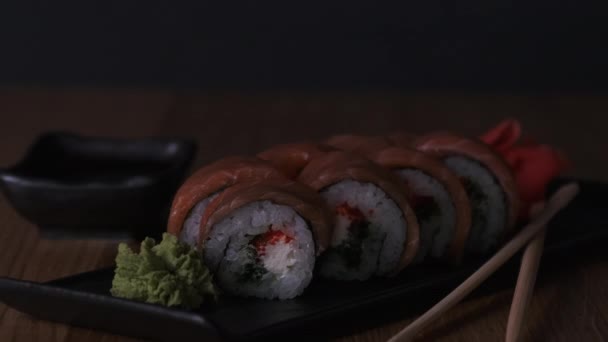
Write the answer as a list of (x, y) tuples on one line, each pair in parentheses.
[(73, 186)]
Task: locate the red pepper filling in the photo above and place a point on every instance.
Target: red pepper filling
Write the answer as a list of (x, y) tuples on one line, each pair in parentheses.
[(424, 206), (353, 214), (271, 237), (351, 249)]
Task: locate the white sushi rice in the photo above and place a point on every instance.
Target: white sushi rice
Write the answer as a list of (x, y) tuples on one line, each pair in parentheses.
[(288, 265), (191, 229), (485, 233), (382, 249), (436, 231)]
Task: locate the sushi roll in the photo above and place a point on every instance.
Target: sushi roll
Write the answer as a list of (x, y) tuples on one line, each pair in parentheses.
[(193, 197), (261, 239), (375, 230), (488, 181), (437, 197), (292, 158), (435, 193)]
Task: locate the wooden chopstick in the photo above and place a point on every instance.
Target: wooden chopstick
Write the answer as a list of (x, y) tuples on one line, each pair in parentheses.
[(525, 283), (558, 201)]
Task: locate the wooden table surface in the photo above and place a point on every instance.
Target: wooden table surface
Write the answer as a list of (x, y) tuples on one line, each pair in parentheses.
[(570, 305)]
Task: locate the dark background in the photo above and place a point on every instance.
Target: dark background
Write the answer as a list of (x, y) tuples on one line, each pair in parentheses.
[(238, 77), (435, 44)]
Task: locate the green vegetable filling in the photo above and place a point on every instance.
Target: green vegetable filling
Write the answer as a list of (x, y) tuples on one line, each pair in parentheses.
[(476, 196), (427, 209), (170, 273), (351, 248), (253, 271)]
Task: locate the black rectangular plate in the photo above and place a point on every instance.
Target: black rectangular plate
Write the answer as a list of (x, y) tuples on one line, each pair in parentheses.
[(327, 307)]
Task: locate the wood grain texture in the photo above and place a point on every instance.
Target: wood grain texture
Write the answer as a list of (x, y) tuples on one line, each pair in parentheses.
[(569, 303)]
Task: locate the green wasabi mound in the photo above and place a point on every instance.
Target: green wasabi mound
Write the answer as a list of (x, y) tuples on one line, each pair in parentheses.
[(170, 273)]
